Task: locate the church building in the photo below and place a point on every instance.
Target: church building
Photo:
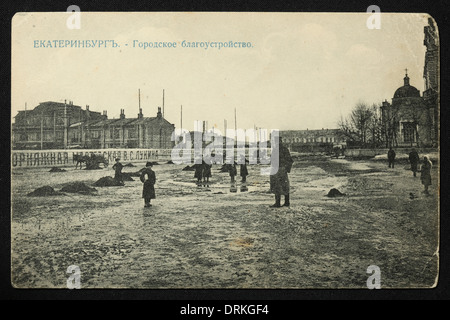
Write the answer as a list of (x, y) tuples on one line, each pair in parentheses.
[(412, 119)]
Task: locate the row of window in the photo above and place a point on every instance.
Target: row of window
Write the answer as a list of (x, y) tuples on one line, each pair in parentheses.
[(36, 136), (308, 140), (76, 135), (112, 135)]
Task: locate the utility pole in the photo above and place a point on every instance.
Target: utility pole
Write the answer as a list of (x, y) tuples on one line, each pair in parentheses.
[(138, 138), (65, 125), (225, 129), (54, 128), (235, 126), (42, 131), (26, 136)]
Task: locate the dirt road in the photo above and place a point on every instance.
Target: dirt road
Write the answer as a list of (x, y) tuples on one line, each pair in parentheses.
[(208, 237)]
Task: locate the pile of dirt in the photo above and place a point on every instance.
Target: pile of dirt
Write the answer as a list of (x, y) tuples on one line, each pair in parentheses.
[(225, 168), (93, 167), (129, 165), (335, 193), (55, 169), (135, 174), (44, 191), (108, 182), (78, 187), (169, 162), (127, 176), (189, 168)]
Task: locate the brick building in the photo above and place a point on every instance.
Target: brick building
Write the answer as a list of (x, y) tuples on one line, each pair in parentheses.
[(53, 125), (47, 125)]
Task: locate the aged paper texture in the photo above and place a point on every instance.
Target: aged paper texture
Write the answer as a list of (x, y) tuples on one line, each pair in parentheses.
[(144, 147)]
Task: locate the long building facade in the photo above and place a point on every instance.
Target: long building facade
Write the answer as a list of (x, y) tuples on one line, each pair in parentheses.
[(322, 140), (53, 125)]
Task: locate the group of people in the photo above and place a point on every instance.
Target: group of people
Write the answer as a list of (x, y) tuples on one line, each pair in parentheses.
[(202, 171), (147, 177), (279, 181), (414, 160)]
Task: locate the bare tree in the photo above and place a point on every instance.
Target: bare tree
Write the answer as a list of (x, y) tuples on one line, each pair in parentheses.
[(376, 127), (363, 126)]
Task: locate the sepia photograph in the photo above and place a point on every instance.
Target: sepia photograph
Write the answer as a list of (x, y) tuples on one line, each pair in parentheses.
[(225, 150)]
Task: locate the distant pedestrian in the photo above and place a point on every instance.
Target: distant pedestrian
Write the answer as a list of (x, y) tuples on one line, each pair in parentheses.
[(425, 173), (244, 170), (232, 171), (414, 161), (117, 167), (206, 171), (391, 157), (279, 181), (148, 177), (198, 172)]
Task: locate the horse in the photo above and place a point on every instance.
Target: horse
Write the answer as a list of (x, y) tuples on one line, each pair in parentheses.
[(100, 159), (90, 161), (80, 159)]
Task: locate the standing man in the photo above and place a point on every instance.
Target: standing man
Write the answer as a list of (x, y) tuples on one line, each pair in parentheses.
[(148, 177), (279, 181), (425, 174), (117, 167), (206, 171), (243, 169), (198, 172), (414, 160), (232, 171), (391, 157)]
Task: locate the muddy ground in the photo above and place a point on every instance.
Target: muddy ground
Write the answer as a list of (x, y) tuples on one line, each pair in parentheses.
[(209, 237)]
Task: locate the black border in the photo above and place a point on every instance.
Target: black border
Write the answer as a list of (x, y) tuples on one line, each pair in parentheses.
[(280, 300)]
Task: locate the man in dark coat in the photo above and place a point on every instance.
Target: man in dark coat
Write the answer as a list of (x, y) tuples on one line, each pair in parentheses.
[(391, 157), (232, 171), (117, 167), (198, 172), (414, 160), (148, 177), (425, 174), (243, 169), (206, 171), (279, 181)]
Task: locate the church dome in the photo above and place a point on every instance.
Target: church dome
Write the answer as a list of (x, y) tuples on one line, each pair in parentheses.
[(407, 90)]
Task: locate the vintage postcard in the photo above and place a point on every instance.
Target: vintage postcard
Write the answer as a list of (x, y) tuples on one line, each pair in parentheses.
[(229, 150)]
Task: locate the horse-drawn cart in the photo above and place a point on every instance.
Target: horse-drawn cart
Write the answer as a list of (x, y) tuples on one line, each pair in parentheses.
[(91, 162)]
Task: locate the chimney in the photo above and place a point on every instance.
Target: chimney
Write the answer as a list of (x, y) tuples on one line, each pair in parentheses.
[(159, 114), (105, 114), (122, 113), (87, 107), (140, 115)]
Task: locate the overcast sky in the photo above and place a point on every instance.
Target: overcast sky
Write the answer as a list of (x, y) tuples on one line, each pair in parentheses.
[(303, 70)]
